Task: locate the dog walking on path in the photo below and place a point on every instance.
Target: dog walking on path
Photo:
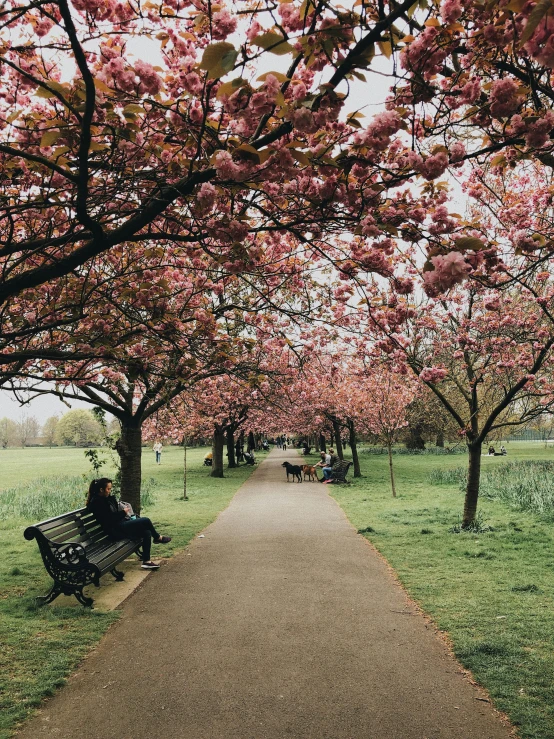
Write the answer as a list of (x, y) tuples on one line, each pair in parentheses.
[(293, 469)]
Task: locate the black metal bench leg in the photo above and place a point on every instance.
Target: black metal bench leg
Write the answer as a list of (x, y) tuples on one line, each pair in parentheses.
[(118, 574), (43, 600), (82, 598)]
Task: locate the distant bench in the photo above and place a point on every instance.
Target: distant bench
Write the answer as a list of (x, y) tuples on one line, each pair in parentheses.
[(76, 552), (339, 471)]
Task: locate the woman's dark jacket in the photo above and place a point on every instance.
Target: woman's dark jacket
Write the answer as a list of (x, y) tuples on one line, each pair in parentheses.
[(107, 514)]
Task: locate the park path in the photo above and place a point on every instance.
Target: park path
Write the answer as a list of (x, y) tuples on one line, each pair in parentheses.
[(280, 622)]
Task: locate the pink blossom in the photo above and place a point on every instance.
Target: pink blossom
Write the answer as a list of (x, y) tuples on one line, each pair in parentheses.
[(302, 119), (434, 165), (432, 374), (423, 54), (122, 77), (206, 195), (290, 16), (254, 30), (541, 44), (223, 24), (451, 10), (457, 151), (192, 83), (377, 135), (225, 166), (150, 81), (538, 133), (503, 97), (449, 270)]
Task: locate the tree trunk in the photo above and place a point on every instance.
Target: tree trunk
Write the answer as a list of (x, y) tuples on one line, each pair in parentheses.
[(389, 447), (322, 444), (472, 490), (239, 448), (251, 445), (217, 452), (354, 448), (230, 437), (129, 448), (185, 496), (440, 439), (338, 442)]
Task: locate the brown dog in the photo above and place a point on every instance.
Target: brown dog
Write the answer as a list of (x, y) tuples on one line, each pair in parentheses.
[(309, 472)]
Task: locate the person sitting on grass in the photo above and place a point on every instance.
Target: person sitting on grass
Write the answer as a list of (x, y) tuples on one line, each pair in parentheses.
[(117, 523)]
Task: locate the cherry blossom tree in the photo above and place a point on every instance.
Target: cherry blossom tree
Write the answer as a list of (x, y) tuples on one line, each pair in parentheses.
[(380, 403), (484, 354), (101, 147)]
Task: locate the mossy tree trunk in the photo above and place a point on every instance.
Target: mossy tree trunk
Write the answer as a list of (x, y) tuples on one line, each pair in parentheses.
[(354, 447), (230, 439), (218, 445), (473, 479), (338, 442), (129, 449), (391, 469)]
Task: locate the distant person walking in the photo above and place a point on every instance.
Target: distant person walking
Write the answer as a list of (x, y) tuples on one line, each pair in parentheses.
[(158, 449)]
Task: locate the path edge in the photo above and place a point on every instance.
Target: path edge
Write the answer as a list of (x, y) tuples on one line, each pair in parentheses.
[(442, 635)]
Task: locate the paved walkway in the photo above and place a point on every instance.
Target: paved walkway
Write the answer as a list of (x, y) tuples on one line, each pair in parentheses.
[(281, 623)]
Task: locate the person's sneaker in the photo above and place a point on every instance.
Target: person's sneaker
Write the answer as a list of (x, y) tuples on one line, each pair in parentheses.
[(150, 566)]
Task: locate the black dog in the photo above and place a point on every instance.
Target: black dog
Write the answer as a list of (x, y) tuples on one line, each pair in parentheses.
[(294, 470)]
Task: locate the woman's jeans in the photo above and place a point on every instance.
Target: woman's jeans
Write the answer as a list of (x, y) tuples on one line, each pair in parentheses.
[(158, 457), (140, 528)]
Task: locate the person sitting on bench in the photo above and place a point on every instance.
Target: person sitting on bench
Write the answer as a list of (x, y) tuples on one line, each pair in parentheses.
[(118, 525)]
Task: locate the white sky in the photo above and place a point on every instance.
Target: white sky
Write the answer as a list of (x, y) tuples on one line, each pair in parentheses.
[(41, 408)]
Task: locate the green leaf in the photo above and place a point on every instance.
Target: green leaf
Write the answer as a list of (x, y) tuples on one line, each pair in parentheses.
[(469, 242), (278, 75), (385, 48), (535, 17), (133, 109), (228, 88), (42, 92), (300, 157), (50, 137), (273, 42), (245, 151), (218, 59)]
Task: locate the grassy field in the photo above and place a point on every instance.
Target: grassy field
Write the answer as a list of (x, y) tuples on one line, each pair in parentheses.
[(493, 593), (40, 647)]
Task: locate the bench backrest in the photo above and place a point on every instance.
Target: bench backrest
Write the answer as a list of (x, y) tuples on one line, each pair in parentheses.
[(76, 526), (341, 468)]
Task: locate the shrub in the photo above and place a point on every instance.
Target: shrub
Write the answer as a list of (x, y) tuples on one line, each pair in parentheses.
[(525, 485), (43, 497), (46, 497), (432, 451), (455, 476)]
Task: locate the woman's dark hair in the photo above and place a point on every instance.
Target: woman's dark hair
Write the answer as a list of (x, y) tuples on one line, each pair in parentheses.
[(96, 486)]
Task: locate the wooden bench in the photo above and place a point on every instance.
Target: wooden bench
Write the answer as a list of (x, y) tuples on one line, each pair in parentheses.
[(339, 471), (76, 552)]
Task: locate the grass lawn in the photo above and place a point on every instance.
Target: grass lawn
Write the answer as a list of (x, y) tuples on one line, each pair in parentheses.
[(40, 647), (493, 593)]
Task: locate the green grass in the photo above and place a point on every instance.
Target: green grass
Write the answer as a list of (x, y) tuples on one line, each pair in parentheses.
[(493, 593), (39, 647)]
